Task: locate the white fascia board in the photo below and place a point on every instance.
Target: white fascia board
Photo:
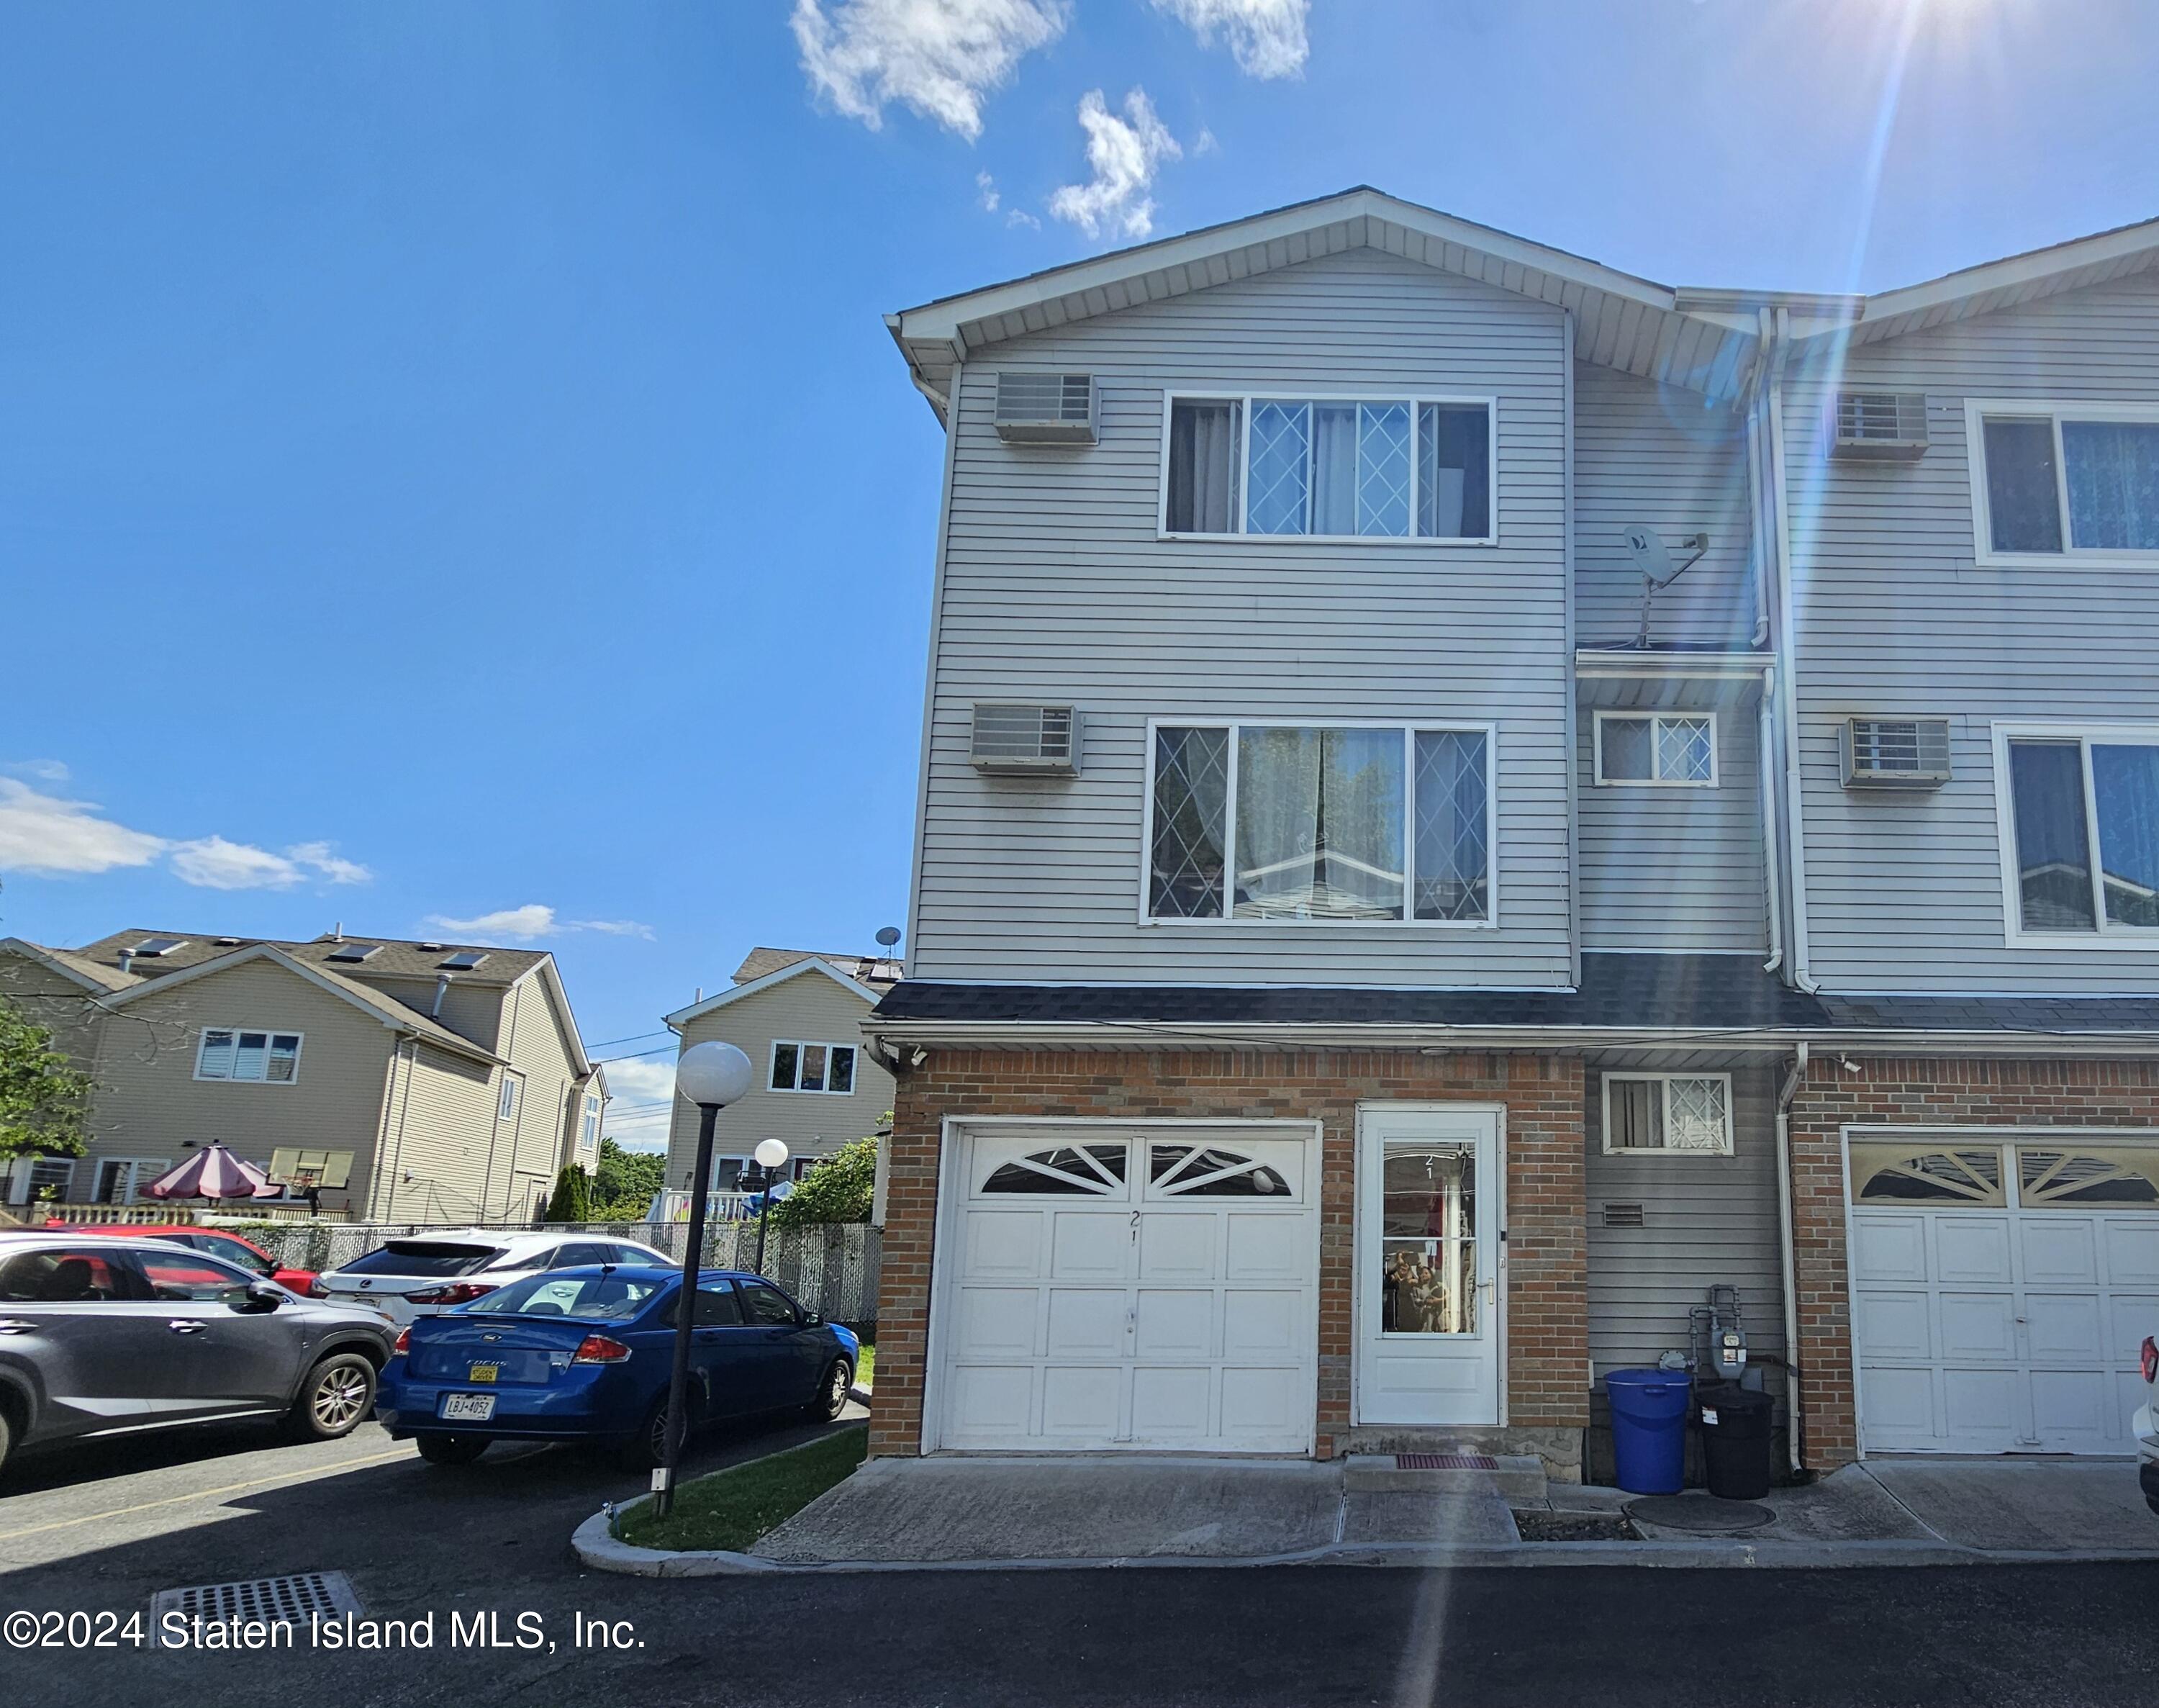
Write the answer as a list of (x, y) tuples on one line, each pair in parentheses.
[(2038, 267), (683, 1017), (1712, 666)]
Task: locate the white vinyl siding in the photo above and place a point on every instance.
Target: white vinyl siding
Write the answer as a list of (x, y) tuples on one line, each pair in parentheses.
[(253, 1054), (1058, 589)]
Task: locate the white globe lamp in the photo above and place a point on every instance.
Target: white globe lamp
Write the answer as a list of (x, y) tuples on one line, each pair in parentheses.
[(712, 1074), (771, 1154)]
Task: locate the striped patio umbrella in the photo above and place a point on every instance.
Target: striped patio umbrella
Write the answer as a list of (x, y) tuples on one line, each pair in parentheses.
[(212, 1172)]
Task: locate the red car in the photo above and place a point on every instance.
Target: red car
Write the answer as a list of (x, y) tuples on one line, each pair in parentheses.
[(216, 1241)]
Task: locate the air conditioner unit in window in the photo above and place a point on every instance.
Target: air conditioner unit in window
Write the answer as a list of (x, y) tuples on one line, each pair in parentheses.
[(1878, 424), (1046, 409), (1036, 740), (1896, 753)]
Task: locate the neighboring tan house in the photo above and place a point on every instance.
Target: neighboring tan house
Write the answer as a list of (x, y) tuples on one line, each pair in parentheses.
[(401, 1081), (1368, 975), (798, 1016)]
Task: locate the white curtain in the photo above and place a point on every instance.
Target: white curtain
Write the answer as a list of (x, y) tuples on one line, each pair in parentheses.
[(1319, 824), (1334, 468)]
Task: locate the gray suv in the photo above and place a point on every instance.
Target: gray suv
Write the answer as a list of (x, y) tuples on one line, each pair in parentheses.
[(104, 1337)]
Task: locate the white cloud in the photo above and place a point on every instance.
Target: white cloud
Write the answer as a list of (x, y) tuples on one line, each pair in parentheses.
[(1206, 144), (939, 57), (1020, 216), (1266, 37), (45, 834), (211, 862), (44, 770), (319, 858), (1124, 155), (533, 920), (988, 186)]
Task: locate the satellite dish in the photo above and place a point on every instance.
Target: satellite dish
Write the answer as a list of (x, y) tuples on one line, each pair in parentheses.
[(887, 936), (1654, 559)]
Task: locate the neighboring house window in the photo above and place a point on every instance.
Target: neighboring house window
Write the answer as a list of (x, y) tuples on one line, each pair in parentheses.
[(1320, 823), (513, 1088), (119, 1178), (28, 1179), (727, 1172), (2081, 832), (2060, 479), (1656, 749), (1333, 468), (1682, 1112), (588, 1129), (235, 1053), (813, 1067)]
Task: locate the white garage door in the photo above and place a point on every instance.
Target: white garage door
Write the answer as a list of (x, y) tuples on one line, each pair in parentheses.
[(2000, 1292), (1152, 1287)]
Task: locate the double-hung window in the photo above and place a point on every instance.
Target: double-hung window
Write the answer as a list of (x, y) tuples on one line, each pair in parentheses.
[(1275, 821), (2081, 832), (813, 1067), (513, 1088), (240, 1052), (1681, 1113), (2052, 481), (1330, 468), (1656, 748)]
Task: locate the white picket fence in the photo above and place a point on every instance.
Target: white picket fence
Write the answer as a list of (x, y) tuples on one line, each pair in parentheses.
[(832, 1269)]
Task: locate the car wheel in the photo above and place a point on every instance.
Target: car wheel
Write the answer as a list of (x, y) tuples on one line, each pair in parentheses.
[(832, 1394), (450, 1449), (648, 1446), (6, 1439), (337, 1396)]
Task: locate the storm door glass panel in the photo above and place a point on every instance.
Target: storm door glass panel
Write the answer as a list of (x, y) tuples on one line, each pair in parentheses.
[(2113, 474), (1191, 808), (1383, 469), (2126, 785), (1280, 470), (1428, 1238), (1454, 860), (1333, 467), (2023, 505), (1203, 467), (1319, 824), (2053, 853), (1454, 472)]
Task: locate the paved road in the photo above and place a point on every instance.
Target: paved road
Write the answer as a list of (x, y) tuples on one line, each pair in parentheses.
[(108, 1529)]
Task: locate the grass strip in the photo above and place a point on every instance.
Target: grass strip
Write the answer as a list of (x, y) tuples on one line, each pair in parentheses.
[(732, 1509)]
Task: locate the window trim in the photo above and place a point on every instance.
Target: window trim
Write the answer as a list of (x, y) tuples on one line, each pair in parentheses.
[(2084, 733), (509, 1103), (772, 1061), (1628, 1075), (1410, 731), (1653, 719), (299, 1054), (2052, 410), (1171, 397)]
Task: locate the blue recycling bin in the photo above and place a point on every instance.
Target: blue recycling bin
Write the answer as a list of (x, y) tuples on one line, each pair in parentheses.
[(1649, 1428)]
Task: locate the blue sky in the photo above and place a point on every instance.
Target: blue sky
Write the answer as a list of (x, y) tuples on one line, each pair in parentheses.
[(452, 467)]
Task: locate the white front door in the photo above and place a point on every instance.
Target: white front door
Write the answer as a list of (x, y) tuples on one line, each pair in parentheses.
[(1427, 1266), (1107, 1285)]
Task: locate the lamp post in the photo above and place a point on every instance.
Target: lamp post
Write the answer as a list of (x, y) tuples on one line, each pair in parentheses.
[(711, 1075), (770, 1157)]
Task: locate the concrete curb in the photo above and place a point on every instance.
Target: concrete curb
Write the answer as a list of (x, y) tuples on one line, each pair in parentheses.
[(599, 1551)]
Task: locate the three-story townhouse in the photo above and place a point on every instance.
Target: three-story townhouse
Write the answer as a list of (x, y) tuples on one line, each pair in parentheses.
[(1376, 965)]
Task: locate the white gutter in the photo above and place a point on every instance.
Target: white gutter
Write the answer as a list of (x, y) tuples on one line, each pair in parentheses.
[(1785, 1094), (1788, 653)]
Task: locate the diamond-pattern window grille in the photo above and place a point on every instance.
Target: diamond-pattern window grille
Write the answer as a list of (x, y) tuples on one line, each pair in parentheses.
[(1683, 754), (1280, 469), (1191, 802), (1695, 1115), (1452, 859), (1383, 469)]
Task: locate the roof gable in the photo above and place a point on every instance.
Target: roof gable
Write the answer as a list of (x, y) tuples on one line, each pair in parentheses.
[(683, 1017)]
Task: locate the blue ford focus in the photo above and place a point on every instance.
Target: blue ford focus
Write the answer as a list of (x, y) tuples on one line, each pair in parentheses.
[(585, 1354)]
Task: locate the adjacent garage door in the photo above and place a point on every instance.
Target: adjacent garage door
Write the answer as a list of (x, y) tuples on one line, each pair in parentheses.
[(1109, 1286), (2001, 1288)]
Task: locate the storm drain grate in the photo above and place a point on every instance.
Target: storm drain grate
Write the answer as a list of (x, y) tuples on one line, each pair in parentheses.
[(1445, 1461), (295, 1598)]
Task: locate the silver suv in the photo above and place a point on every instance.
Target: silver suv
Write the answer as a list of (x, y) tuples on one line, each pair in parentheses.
[(103, 1336)]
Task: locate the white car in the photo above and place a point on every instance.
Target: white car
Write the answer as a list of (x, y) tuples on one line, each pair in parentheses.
[(2145, 1424), (429, 1274)]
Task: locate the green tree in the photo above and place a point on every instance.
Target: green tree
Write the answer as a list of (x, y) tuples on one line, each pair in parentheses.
[(571, 1199), (840, 1189), (43, 1095), (624, 1179)]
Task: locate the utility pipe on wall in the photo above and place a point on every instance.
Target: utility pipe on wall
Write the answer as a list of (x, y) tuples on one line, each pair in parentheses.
[(1785, 1094)]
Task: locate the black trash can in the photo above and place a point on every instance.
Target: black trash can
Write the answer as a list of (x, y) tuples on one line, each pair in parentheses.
[(1736, 1444)]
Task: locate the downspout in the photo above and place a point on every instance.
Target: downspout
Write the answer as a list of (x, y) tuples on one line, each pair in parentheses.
[(375, 1182), (1785, 1094), (1572, 716), (1788, 648), (411, 1047), (1767, 767)]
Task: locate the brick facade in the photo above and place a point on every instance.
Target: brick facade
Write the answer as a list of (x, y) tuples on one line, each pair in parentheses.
[(1888, 1091), (1547, 1298)]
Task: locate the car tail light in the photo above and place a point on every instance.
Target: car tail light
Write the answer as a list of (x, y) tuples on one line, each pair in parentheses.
[(453, 1293), (403, 1344), (2149, 1356), (598, 1349), (316, 1290)]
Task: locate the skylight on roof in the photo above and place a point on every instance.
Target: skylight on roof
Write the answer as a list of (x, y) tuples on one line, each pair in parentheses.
[(352, 951), (464, 960), (159, 945)]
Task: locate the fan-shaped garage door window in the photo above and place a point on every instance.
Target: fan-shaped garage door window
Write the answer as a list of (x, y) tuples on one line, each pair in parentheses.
[(1206, 1171), (1906, 1174), (1071, 1170), (2107, 1176)]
